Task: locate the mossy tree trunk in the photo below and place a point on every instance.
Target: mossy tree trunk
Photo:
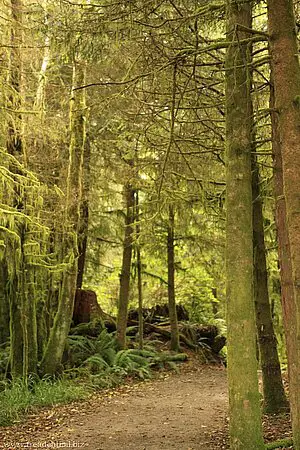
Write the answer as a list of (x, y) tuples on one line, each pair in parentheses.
[(244, 400), (171, 280), (285, 288), (23, 336), (126, 266), (274, 395), (286, 76), (63, 317), (139, 270), (4, 304)]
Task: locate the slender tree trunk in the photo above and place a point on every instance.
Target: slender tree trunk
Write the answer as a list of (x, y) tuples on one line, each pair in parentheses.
[(84, 215), (16, 332), (4, 303), (62, 321), (284, 253), (126, 267), (15, 145), (274, 396), (139, 271), (31, 295), (40, 92), (244, 401), (171, 281), (286, 75), (82, 243)]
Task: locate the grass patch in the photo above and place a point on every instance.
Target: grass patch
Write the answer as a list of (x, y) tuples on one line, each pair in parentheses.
[(279, 444), (17, 399)]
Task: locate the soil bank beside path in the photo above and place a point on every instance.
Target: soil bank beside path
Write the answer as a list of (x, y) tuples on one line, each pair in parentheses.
[(185, 411)]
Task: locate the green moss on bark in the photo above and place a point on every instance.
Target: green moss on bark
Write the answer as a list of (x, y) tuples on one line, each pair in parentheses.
[(244, 398)]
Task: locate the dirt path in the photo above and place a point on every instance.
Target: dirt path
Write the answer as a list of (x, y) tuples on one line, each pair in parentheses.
[(180, 411)]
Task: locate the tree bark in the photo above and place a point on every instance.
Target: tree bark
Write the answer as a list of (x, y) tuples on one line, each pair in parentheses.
[(286, 76), (23, 337), (244, 401), (139, 271), (63, 317), (40, 92), (171, 281), (15, 148), (274, 395), (4, 304), (284, 254), (84, 215), (126, 267), (14, 141)]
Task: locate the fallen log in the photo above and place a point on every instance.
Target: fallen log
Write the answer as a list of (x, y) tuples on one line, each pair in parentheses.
[(212, 341), (151, 328), (159, 313)]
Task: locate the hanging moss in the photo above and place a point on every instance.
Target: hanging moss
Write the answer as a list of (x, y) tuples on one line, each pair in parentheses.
[(25, 262)]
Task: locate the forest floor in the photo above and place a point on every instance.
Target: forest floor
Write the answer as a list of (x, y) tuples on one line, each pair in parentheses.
[(183, 411)]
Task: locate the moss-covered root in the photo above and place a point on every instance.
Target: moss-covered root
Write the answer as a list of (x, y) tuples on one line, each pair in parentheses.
[(279, 444), (177, 357)]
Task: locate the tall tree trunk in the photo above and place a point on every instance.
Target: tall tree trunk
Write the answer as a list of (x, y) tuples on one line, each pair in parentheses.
[(126, 267), (284, 253), (244, 401), (139, 271), (171, 281), (274, 396), (23, 338), (286, 75), (84, 215), (63, 317), (31, 287)]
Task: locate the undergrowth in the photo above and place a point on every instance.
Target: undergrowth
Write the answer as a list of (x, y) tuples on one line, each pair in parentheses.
[(91, 364), (18, 398), (100, 360)]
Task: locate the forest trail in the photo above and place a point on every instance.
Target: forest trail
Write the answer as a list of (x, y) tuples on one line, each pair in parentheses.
[(184, 411)]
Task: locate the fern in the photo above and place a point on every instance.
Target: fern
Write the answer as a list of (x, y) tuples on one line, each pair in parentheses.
[(143, 372), (99, 358), (121, 359), (105, 341), (81, 343), (106, 347), (95, 363)]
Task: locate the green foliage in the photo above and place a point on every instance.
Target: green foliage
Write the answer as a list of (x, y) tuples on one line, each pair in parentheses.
[(95, 363), (92, 328), (106, 346), (82, 347), (79, 347), (99, 360), (279, 444), (296, 101), (18, 398)]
